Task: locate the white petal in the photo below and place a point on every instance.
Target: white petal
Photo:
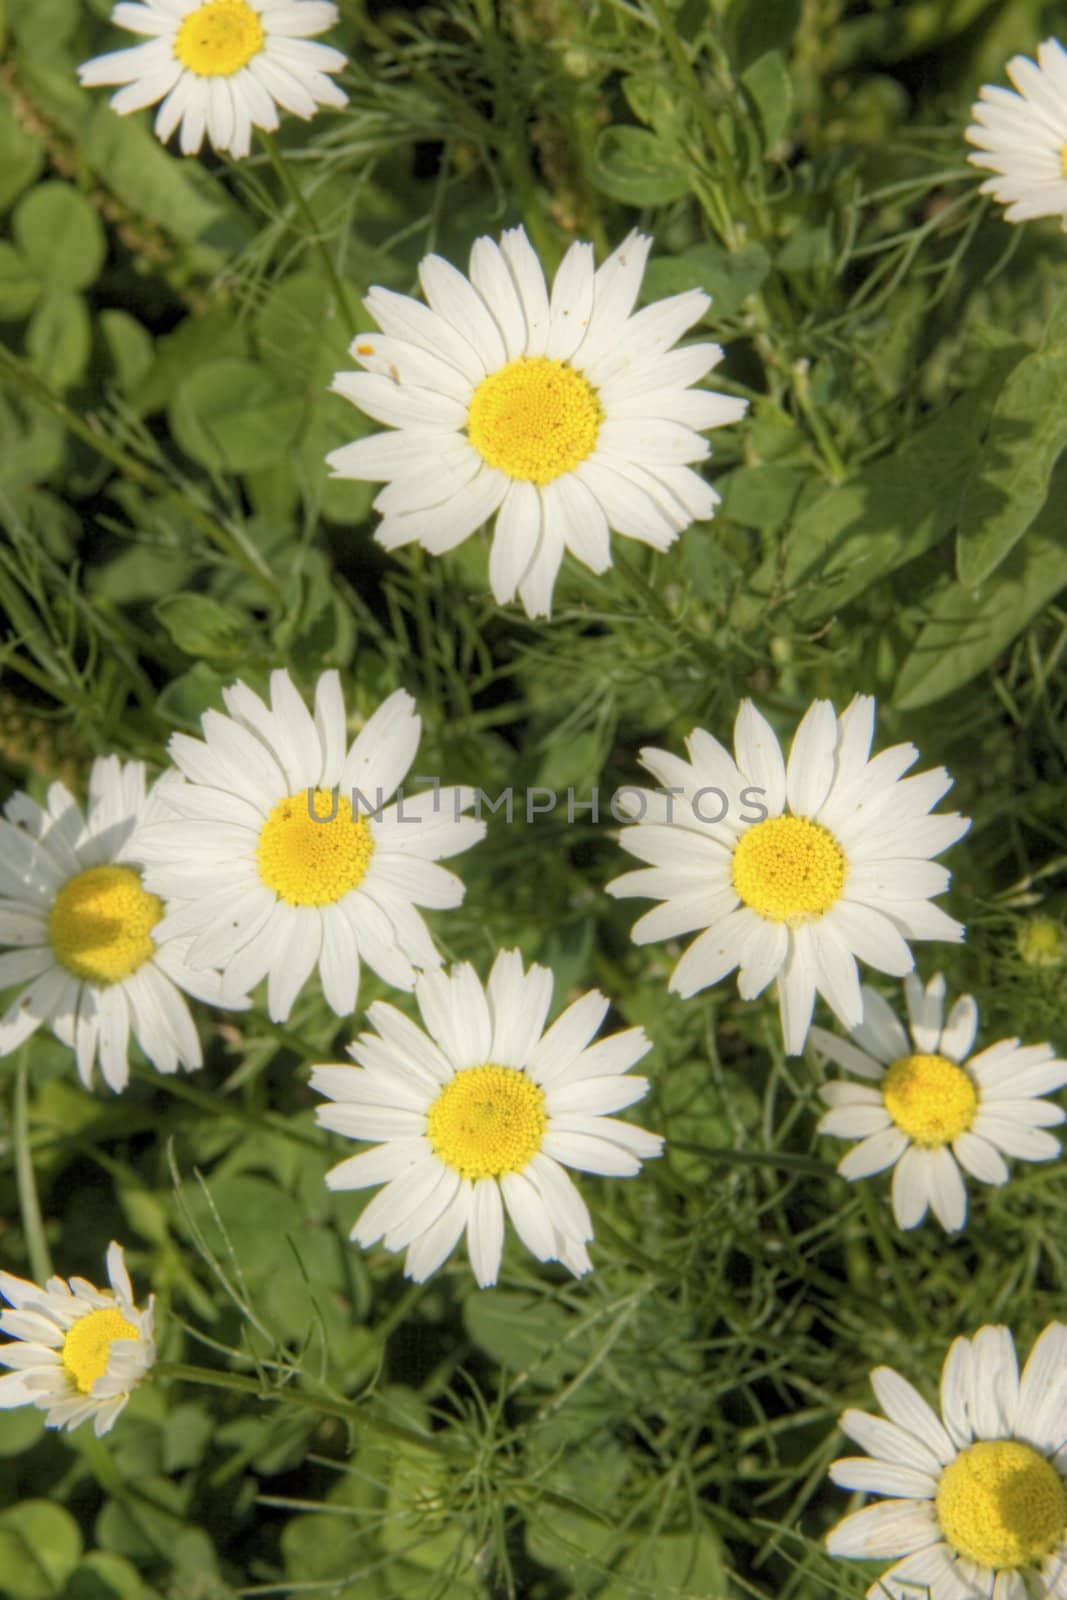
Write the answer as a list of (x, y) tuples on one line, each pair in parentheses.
[(759, 756), (925, 1011), (981, 1159), (911, 1187), (453, 298), (485, 1232), (904, 1405), (571, 303), (996, 1383), (873, 1155), (810, 771), (957, 1036), (434, 1246), (883, 1477), (892, 1528), (518, 526), (518, 1003)]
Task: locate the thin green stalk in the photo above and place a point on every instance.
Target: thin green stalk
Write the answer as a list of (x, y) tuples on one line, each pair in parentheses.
[(802, 389), (356, 1413), (303, 210), (232, 542), (754, 1158), (724, 157), (25, 1179), (515, 144), (887, 1250)]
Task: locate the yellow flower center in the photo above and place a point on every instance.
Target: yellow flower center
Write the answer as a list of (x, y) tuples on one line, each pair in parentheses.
[(534, 419), (1063, 160), (930, 1099), (219, 39), (1001, 1504), (487, 1121), (101, 924), (88, 1345), (307, 860), (788, 869)]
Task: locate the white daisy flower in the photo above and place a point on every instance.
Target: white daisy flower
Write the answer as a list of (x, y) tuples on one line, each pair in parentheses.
[(81, 1351), (1022, 138), (565, 415), (793, 872), (978, 1504), (265, 888), (928, 1110), (481, 1115), (86, 935), (223, 67)]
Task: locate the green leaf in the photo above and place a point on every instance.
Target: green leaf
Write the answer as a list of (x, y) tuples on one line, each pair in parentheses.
[(185, 699), (768, 82), (20, 288), (683, 1566), (176, 194), (99, 1576), (138, 1530), (966, 631), (296, 338), (761, 25), (1009, 484), (229, 415), (729, 277), (202, 626), (195, 341), (632, 165), (59, 338), (253, 1216), (22, 1577), (60, 235), (654, 100), (187, 1432), (760, 497), (139, 573), (44, 25), (21, 155), (50, 1545), (20, 1428), (129, 348), (805, 249), (855, 533), (523, 1332)]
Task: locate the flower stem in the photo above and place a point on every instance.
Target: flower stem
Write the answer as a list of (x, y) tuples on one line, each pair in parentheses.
[(358, 1414), (292, 189), (29, 1203), (226, 1106)]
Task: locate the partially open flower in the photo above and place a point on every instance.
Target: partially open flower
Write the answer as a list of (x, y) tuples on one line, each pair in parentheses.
[(81, 1351)]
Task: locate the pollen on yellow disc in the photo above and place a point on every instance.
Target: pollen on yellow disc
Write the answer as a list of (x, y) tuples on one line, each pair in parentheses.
[(930, 1099), (487, 1121), (219, 38), (789, 869), (1002, 1504), (309, 860), (101, 922), (88, 1344), (534, 419), (1063, 160)]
